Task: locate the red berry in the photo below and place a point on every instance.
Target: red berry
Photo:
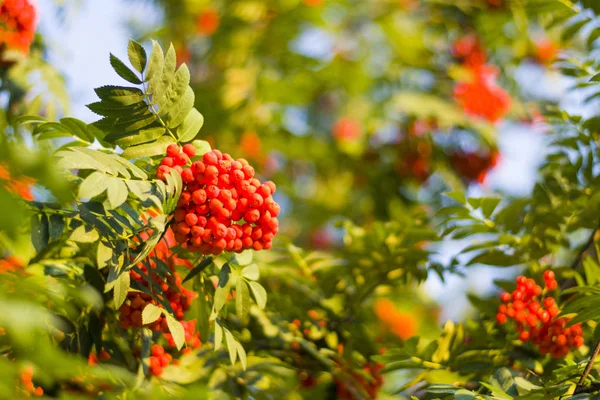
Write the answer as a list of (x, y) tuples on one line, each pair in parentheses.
[(168, 161), (162, 171), (211, 171), (157, 350), (252, 216), (187, 176), (210, 158), (189, 149), (191, 219), (548, 275), (198, 167), (172, 150), (517, 295), (533, 307), (548, 302), (182, 228), (182, 159), (271, 185), (531, 320), (199, 196), (518, 305)]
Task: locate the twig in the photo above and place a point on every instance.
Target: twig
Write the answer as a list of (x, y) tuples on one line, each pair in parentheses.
[(587, 369), (582, 250), (594, 387)]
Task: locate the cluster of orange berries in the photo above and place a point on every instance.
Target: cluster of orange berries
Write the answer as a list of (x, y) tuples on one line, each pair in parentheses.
[(474, 166), (219, 191), (370, 386), (159, 359), (480, 96), (172, 289), (28, 388), (346, 129), (20, 186), (207, 22), (535, 317), (17, 24), (415, 158), (93, 358), (403, 325), (11, 264), (468, 51)]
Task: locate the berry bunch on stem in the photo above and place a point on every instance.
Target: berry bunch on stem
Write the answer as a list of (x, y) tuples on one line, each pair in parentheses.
[(222, 206), (18, 20), (535, 317), (159, 359), (479, 96), (171, 288)]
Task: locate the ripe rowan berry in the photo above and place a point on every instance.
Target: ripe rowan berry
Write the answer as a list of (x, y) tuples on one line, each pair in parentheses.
[(168, 161), (189, 150), (173, 150), (548, 275)]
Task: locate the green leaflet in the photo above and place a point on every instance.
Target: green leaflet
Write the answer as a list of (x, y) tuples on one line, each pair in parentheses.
[(149, 149), (123, 70), (95, 184), (242, 299), (155, 66), (181, 109), (191, 126), (175, 90), (260, 294), (117, 192), (144, 135), (137, 55), (122, 95)]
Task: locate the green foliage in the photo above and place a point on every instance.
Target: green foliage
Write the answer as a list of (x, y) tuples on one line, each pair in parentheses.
[(295, 321), (145, 121)]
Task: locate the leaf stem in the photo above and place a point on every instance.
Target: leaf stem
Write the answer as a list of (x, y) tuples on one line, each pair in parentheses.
[(588, 369)]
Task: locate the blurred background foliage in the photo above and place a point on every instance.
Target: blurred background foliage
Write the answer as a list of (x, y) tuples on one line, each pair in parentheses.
[(363, 113)]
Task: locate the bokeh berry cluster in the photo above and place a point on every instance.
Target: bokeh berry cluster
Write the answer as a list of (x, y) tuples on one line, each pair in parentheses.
[(473, 166), (171, 288), (401, 324), (18, 19), (28, 388), (370, 381), (17, 185), (222, 206), (535, 317), (480, 96)]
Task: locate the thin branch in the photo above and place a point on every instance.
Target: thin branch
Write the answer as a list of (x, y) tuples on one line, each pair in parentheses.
[(588, 369), (582, 250)]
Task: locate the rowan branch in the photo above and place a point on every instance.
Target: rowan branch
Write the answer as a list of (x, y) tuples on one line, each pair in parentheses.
[(587, 370)]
